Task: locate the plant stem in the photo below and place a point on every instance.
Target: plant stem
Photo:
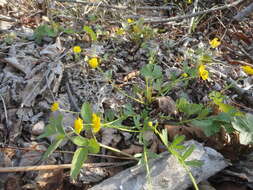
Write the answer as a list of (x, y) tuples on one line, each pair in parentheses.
[(118, 151)]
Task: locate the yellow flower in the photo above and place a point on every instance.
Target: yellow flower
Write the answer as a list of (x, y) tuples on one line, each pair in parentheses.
[(150, 124), (120, 31), (248, 69), (55, 106), (129, 20), (77, 49), (214, 43), (184, 75), (93, 62), (202, 67), (95, 123), (203, 73), (136, 29), (189, 1), (78, 125)]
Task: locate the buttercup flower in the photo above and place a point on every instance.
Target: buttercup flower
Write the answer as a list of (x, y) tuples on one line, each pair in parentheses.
[(214, 43), (78, 125), (248, 69), (189, 1), (129, 20), (203, 73), (150, 124), (55, 106), (184, 75), (95, 123), (120, 31), (77, 49), (93, 62)]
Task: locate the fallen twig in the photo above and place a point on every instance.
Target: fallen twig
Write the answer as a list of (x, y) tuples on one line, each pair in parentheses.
[(195, 14), (119, 7), (243, 13), (8, 19), (61, 166), (244, 94), (6, 117)]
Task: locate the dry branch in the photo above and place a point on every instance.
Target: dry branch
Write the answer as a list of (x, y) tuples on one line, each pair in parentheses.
[(159, 8), (245, 12), (195, 14), (7, 19), (61, 166), (119, 7)]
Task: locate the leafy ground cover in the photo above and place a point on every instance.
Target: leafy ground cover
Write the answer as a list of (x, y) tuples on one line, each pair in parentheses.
[(120, 82)]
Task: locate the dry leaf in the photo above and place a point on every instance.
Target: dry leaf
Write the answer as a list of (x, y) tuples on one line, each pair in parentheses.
[(48, 180), (131, 75)]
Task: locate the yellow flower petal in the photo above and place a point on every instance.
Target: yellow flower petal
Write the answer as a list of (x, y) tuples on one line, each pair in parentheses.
[(150, 124), (248, 69), (202, 67), (189, 1), (95, 123), (184, 75), (93, 62), (203, 73), (55, 106), (214, 43), (77, 49), (78, 125), (120, 31), (129, 20)]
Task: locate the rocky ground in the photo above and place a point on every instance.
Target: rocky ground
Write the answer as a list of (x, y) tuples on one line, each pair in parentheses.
[(38, 66)]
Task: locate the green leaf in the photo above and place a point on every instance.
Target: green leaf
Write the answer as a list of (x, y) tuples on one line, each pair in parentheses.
[(109, 115), (128, 110), (243, 124), (57, 122), (93, 146), (190, 109), (54, 126), (91, 33), (53, 146), (151, 71), (188, 152), (69, 31), (228, 127), (164, 137), (49, 131), (179, 147), (44, 30), (195, 163), (209, 127), (204, 113), (137, 121), (177, 140), (81, 154), (222, 117), (157, 85), (86, 113), (80, 141)]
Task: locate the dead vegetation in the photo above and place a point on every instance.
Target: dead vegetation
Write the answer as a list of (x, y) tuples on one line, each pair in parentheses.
[(38, 66)]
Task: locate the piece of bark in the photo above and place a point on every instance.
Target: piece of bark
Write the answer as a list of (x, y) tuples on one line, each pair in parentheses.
[(166, 172)]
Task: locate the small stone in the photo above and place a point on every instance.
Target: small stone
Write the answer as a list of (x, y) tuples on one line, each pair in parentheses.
[(38, 128)]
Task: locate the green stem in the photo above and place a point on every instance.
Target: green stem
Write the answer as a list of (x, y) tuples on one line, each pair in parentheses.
[(147, 167), (118, 151), (181, 161), (119, 128), (68, 111)]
